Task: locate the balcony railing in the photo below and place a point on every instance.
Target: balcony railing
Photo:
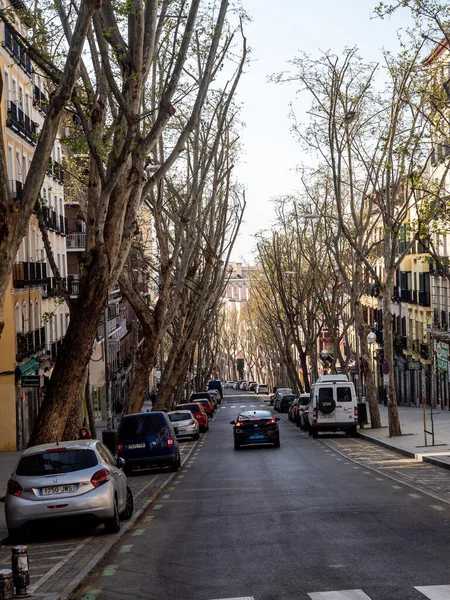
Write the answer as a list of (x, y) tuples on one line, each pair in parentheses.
[(29, 274), (76, 240), (406, 295), (415, 346), (424, 351), (29, 343), (40, 100), (18, 53), (424, 298), (51, 288), (19, 122), (73, 285)]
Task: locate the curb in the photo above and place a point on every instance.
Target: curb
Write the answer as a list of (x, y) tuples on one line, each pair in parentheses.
[(78, 579)]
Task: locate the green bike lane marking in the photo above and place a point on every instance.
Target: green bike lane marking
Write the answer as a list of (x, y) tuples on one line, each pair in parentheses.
[(125, 548), (109, 570), (92, 594)]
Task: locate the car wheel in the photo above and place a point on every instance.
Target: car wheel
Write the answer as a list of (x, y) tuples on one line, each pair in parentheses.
[(113, 525), (129, 506), (315, 433), (176, 465), (277, 443), (237, 446)]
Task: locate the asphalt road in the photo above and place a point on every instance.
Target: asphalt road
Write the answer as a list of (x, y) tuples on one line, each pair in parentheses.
[(296, 523)]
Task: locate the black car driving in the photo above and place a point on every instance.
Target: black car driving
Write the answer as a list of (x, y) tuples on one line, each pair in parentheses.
[(256, 427)]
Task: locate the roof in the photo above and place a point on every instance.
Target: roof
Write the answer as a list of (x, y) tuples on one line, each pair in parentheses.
[(77, 444)]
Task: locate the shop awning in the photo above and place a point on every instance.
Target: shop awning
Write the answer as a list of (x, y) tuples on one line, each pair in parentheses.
[(29, 368)]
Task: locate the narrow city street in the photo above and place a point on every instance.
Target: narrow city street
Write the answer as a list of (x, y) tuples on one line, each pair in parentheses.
[(293, 523)]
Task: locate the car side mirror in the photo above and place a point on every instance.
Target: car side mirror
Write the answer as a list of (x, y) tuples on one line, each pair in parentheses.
[(277, 418), (232, 422), (120, 462)]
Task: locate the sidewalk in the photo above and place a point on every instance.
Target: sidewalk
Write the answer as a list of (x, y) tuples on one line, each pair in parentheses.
[(412, 442)]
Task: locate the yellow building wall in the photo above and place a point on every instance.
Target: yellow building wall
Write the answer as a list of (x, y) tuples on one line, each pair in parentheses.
[(7, 381)]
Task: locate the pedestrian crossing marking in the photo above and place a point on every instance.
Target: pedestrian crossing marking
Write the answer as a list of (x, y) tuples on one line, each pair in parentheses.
[(440, 508), (240, 598), (342, 595), (435, 592)]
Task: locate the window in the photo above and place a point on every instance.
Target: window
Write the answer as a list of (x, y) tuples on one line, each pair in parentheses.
[(61, 324), (14, 91), (142, 425), (17, 319), (325, 393), (10, 163), (24, 167), (7, 94), (31, 313), (27, 105), (56, 461), (344, 394), (18, 167), (37, 319), (24, 317), (21, 97)]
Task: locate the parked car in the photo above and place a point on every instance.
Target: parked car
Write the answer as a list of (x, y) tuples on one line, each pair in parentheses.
[(215, 384), (205, 400), (255, 427), (332, 406), (252, 386), (216, 396), (285, 402), (77, 479), (280, 392), (148, 440), (302, 407), (185, 424), (229, 384), (293, 409), (237, 385), (262, 388), (199, 413)]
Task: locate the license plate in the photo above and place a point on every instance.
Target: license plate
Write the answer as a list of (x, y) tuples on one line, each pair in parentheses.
[(133, 446), (181, 429), (57, 489), (256, 437), (324, 416)]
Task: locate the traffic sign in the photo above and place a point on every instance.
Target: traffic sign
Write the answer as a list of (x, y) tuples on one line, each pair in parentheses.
[(33, 381)]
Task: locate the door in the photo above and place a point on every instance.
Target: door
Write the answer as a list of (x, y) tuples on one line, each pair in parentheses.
[(326, 404), (345, 404), (119, 476)]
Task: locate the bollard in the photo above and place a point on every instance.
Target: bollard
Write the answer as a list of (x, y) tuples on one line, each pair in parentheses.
[(6, 584), (20, 570)]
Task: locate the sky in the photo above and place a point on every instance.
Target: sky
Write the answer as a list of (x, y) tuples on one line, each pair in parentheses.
[(279, 31)]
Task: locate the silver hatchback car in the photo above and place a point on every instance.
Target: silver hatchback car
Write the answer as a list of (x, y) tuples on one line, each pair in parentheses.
[(70, 480), (185, 424)]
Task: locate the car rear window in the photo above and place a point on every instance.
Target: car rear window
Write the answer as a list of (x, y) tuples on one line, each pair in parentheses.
[(181, 416), (200, 395), (141, 425), (55, 462), (344, 394), (193, 408), (326, 393)]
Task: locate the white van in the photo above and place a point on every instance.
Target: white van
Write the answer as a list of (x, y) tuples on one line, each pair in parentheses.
[(332, 406)]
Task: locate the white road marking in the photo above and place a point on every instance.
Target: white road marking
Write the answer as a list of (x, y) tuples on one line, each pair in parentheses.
[(343, 595), (234, 406), (240, 598), (242, 406), (435, 592)]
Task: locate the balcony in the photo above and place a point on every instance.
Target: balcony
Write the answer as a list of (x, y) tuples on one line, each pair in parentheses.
[(424, 351), (57, 172), (15, 189), (29, 343), (404, 339), (405, 295), (424, 298), (73, 285), (76, 241), (19, 55), (19, 122), (51, 288), (40, 100), (27, 274)]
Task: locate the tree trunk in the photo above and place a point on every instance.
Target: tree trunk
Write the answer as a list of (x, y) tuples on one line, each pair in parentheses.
[(371, 392), (75, 418), (72, 359), (90, 408), (394, 421), (139, 384)]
